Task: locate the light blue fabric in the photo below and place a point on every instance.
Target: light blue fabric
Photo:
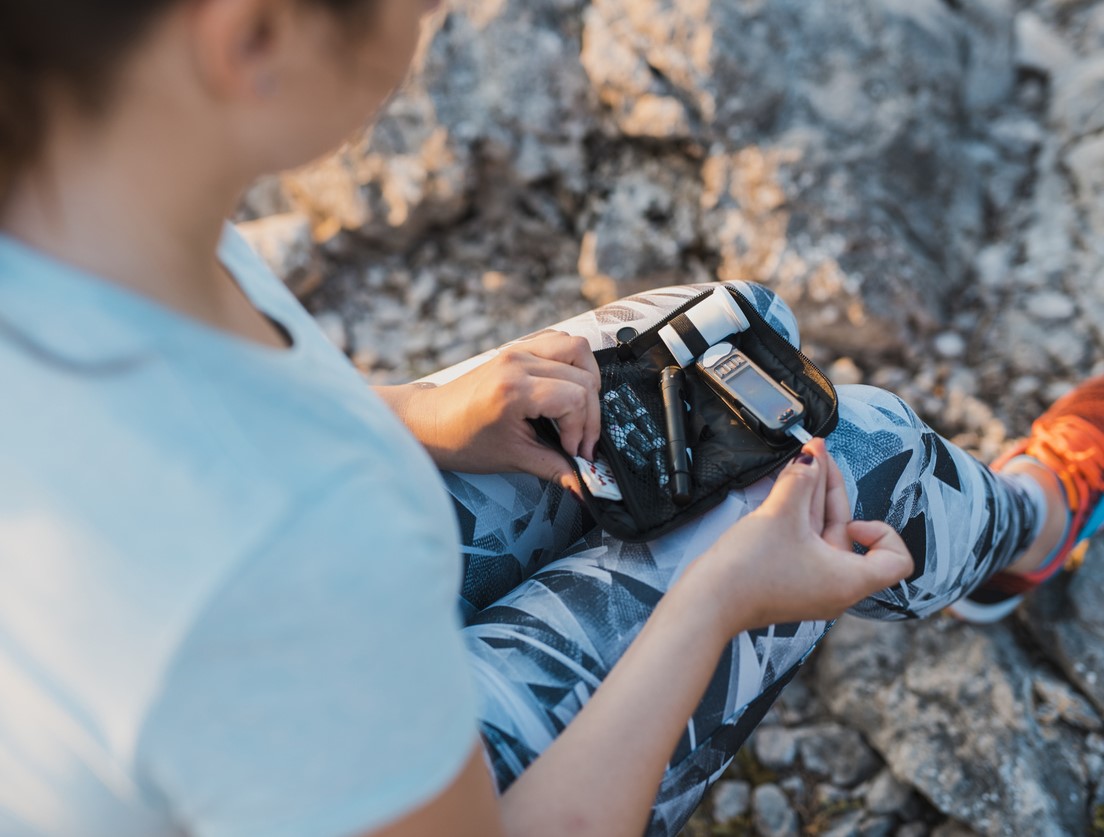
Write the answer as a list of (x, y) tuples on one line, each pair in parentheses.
[(228, 576)]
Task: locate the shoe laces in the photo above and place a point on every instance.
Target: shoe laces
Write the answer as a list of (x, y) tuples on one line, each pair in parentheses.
[(1077, 447), (1074, 449)]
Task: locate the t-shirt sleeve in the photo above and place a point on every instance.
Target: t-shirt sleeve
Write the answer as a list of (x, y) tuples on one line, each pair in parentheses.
[(324, 689)]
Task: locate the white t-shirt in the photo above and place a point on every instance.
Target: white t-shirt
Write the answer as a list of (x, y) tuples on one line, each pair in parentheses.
[(228, 575)]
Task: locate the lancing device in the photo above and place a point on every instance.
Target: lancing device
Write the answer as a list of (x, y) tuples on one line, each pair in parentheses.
[(670, 388)]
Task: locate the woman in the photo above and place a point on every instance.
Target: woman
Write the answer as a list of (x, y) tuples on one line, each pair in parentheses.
[(229, 572)]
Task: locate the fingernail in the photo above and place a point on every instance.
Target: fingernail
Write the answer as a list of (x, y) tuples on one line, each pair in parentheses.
[(805, 459)]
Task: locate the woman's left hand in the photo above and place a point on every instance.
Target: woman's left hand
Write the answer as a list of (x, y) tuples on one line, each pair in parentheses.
[(478, 423)]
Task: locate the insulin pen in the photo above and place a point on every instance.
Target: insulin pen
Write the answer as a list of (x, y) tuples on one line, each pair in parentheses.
[(670, 388)]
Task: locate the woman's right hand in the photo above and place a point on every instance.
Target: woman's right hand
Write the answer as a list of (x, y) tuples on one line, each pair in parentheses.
[(791, 559)]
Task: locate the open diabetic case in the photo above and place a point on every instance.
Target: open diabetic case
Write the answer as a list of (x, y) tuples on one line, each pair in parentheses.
[(726, 450)]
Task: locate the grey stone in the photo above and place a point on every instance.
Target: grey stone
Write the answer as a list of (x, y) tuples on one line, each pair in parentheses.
[(838, 752), (886, 795), (1051, 306), (795, 789), (772, 814), (845, 371), (1067, 616), (730, 800), (1040, 48), (949, 344), (775, 747), (846, 824), (957, 722)]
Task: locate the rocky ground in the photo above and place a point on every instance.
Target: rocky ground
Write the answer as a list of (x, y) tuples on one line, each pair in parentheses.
[(923, 181)]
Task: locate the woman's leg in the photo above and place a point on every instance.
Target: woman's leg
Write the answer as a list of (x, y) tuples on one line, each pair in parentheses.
[(513, 524), (540, 651)]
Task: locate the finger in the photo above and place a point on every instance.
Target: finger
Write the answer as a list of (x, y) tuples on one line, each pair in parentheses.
[(887, 557), (837, 506), (565, 348), (576, 353), (563, 401), (540, 367), (793, 491), (816, 449)]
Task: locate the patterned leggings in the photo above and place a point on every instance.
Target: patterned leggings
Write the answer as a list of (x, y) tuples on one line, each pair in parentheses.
[(550, 602)]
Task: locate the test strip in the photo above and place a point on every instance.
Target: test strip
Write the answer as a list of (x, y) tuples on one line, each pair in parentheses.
[(799, 432)]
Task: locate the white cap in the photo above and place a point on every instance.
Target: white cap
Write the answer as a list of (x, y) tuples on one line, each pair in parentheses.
[(707, 322)]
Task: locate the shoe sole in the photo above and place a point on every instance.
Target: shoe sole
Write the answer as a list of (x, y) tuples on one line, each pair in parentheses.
[(978, 614)]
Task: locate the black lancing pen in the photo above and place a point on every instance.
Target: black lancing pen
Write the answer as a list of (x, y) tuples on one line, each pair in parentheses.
[(670, 389)]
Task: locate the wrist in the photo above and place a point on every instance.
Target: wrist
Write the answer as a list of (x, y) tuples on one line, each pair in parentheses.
[(703, 597), (415, 406)]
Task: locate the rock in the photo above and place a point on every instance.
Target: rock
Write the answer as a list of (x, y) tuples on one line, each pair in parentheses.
[(1075, 101), (730, 800), (639, 232), (1040, 48), (949, 344), (775, 747), (772, 814), (886, 795), (1067, 617), (845, 371), (845, 825), (837, 752), (1050, 306), (956, 721), (795, 789)]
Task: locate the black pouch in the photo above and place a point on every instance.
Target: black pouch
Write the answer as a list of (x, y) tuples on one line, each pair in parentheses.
[(727, 452)]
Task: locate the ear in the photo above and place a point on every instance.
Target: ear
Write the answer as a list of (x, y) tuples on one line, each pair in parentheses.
[(237, 45)]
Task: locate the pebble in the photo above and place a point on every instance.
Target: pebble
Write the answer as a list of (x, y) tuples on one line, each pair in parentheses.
[(1051, 306), (795, 789), (838, 752), (775, 747), (912, 829), (845, 825), (949, 345), (772, 813), (844, 372), (886, 795), (730, 800)]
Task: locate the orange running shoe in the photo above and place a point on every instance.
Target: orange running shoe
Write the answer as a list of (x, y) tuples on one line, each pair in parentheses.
[(1068, 439)]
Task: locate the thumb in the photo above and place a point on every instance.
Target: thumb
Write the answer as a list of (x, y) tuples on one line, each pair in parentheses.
[(795, 488)]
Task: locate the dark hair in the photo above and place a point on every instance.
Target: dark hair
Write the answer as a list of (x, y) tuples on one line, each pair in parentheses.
[(75, 46)]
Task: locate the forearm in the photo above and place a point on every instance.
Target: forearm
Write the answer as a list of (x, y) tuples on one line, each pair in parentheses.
[(601, 776)]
